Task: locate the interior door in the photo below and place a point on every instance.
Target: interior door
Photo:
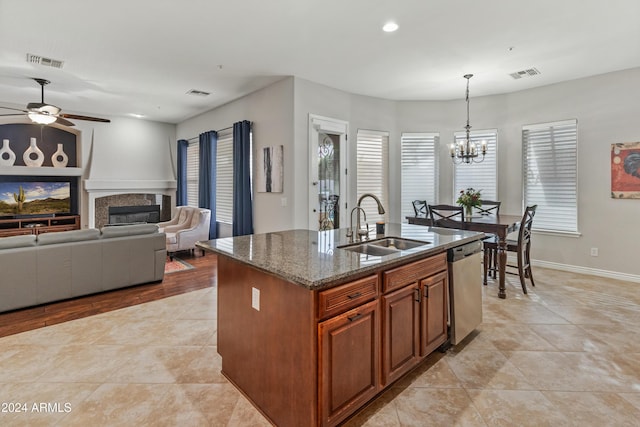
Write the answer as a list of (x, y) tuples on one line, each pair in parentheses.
[(327, 167)]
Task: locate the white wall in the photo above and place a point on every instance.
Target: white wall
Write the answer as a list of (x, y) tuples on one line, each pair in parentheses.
[(606, 108), (360, 111), (271, 111)]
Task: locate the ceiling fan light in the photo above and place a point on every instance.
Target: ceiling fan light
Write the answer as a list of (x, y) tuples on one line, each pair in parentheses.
[(40, 118)]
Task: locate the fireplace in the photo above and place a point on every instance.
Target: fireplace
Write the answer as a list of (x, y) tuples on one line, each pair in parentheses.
[(133, 214), (122, 193)]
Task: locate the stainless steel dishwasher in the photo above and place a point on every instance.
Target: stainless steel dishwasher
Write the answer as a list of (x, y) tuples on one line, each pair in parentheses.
[(465, 290)]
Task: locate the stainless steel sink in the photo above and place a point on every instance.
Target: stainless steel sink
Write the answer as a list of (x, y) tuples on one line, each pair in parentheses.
[(382, 247), (398, 243), (369, 249)]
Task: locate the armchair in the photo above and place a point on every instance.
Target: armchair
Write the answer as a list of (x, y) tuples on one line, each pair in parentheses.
[(187, 227)]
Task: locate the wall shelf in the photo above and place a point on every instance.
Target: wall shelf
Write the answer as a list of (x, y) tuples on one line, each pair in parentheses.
[(40, 171)]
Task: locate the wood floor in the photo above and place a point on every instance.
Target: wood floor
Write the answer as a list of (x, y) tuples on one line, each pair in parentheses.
[(202, 276)]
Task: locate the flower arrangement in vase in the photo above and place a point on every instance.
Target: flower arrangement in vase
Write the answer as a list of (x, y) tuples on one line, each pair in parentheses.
[(469, 198)]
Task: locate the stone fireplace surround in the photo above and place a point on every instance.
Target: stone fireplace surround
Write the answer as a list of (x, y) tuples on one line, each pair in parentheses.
[(103, 194)]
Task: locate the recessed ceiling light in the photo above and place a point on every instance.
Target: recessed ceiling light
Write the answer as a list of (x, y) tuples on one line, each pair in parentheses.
[(390, 27)]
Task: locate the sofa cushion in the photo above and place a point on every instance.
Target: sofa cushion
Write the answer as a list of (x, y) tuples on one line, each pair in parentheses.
[(68, 236), (17, 241), (128, 230)]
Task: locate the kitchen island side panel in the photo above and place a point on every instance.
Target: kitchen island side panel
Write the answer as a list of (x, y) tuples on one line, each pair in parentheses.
[(270, 353)]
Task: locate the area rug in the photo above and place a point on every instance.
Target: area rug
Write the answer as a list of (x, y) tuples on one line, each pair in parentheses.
[(171, 266)]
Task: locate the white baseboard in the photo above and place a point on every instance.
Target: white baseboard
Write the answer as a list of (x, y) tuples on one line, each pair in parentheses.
[(588, 270)]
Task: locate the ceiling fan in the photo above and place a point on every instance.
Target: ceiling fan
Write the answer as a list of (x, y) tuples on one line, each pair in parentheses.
[(44, 114)]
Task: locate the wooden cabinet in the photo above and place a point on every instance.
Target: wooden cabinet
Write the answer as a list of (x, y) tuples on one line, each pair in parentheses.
[(309, 357), (415, 316), (401, 315), (433, 320), (38, 225), (349, 362)]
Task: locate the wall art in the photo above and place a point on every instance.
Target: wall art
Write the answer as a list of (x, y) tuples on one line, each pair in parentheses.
[(270, 164), (625, 170)]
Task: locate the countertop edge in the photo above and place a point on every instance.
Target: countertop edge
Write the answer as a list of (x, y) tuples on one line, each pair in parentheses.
[(355, 273)]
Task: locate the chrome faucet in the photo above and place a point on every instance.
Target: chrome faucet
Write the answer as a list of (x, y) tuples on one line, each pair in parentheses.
[(380, 208), (359, 232)]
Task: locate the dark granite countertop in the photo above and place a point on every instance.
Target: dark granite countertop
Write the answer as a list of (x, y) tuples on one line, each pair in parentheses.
[(312, 258)]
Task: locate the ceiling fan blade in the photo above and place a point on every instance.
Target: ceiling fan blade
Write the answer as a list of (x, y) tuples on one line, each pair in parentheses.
[(13, 114), (92, 119), (14, 109), (63, 122)]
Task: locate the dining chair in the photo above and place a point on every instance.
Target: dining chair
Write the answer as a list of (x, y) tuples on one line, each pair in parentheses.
[(420, 208), (522, 248), (446, 215), (488, 207)]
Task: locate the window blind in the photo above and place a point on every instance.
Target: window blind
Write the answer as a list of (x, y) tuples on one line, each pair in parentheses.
[(193, 167), (479, 176), (373, 171), (550, 172), (419, 170), (224, 177)]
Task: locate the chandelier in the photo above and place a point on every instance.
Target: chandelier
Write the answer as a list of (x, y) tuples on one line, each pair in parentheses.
[(467, 151)]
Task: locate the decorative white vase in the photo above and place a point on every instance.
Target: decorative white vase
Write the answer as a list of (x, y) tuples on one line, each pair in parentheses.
[(59, 158), (33, 149), (7, 156)]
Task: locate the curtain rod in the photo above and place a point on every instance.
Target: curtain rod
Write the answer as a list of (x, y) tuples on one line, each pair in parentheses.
[(220, 130)]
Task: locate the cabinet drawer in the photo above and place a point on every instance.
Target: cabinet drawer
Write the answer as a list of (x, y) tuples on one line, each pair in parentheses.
[(409, 273), (344, 297)]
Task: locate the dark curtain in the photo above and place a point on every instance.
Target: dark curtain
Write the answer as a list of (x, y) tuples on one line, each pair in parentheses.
[(242, 205), (181, 191), (207, 177)]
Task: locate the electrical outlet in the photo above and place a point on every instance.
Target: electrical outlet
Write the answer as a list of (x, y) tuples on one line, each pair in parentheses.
[(255, 299), (594, 251)]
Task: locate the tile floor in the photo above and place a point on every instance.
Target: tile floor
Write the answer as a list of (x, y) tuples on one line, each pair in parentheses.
[(565, 355)]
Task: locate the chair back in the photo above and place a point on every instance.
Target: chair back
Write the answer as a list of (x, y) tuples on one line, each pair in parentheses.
[(446, 215), (488, 207), (524, 233), (420, 208)]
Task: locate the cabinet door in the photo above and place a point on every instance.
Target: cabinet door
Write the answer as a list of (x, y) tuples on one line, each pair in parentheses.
[(400, 338), (433, 328), (349, 362)]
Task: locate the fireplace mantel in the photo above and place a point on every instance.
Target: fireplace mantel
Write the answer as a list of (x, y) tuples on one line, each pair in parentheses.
[(97, 188)]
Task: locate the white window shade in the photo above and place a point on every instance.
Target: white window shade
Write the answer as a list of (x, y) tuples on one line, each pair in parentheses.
[(373, 171), (419, 170), (224, 177), (193, 166), (479, 176), (550, 171)]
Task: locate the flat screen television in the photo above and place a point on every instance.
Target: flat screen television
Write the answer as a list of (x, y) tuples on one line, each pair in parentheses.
[(23, 197)]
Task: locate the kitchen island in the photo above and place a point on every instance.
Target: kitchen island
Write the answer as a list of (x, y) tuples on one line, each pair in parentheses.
[(311, 331)]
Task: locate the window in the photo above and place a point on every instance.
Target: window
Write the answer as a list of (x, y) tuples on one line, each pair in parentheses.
[(479, 176), (550, 172), (373, 171), (419, 170), (224, 177), (193, 166)]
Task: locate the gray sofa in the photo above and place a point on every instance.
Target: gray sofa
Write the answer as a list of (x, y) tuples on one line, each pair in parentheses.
[(55, 266)]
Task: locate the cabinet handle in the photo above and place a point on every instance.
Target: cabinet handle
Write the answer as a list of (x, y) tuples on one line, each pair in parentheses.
[(417, 293), (354, 296), (426, 292), (356, 317)]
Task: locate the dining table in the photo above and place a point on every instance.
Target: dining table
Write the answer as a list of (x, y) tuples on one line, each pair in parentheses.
[(500, 225)]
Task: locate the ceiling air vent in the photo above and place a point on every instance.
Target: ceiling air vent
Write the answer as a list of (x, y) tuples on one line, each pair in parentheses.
[(525, 73), (197, 92), (48, 62)]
